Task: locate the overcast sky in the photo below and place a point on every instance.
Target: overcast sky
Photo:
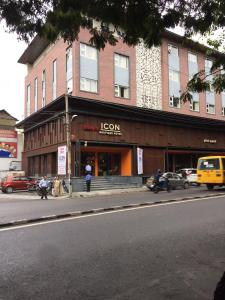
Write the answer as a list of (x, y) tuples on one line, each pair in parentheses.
[(12, 74)]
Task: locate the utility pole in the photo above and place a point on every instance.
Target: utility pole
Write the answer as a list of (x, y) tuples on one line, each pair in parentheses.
[(68, 143)]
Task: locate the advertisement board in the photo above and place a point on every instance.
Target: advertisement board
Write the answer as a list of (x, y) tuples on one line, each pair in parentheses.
[(8, 144), (140, 160), (62, 160)]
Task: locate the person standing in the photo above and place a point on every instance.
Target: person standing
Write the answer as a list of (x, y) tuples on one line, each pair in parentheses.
[(57, 186), (88, 168), (43, 184), (88, 178)]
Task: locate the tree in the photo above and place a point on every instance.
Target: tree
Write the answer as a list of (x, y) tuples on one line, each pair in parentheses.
[(130, 20)]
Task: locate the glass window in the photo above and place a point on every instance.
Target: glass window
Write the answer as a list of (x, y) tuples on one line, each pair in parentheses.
[(35, 94), (194, 105), (209, 164), (43, 85), (192, 57), (174, 75), (69, 70), (88, 51), (28, 100), (88, 85), (54, 74), (121, 61), (174, 102), (210, 108), (173, 50), (121, 91)]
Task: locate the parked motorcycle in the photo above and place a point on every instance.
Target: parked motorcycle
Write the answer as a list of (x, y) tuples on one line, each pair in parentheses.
[(35, 188)]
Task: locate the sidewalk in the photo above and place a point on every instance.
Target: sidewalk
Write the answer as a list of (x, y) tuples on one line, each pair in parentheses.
[(28, 195)]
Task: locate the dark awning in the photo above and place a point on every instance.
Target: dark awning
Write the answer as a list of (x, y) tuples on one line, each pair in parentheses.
[(93, 107)]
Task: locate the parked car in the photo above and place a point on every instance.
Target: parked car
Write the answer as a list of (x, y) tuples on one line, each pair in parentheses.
[(175, 181), (191, 175), (15, 183)]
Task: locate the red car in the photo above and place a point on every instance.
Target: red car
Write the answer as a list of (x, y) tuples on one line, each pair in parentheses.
[(15, 183)]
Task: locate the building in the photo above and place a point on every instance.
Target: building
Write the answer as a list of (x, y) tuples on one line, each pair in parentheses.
[(11, 143), (125, 99)]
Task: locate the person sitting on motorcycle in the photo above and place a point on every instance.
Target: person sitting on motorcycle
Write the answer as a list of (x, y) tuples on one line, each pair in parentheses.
[(162, 181), (158, 176)]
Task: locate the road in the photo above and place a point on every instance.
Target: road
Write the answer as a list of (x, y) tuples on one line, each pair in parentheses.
[(170, 251), (15, 207)]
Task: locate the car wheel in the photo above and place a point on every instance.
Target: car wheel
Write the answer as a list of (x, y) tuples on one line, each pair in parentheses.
[(4, 191), (210, 187), (186, 185), (9, 190)]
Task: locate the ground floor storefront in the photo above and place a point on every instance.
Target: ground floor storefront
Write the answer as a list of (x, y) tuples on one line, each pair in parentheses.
[(117, 140)]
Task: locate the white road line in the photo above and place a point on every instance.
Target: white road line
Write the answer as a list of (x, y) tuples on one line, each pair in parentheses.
[(105, 213)]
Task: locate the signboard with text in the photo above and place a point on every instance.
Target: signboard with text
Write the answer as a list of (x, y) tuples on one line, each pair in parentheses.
[(140, 160), (62, 160)]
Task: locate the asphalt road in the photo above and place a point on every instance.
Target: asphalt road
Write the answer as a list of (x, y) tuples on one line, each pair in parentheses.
[(173, 251), (15, 207)]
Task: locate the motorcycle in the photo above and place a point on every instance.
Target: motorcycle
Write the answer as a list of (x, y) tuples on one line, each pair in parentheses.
[(161, 185), (36, 188)]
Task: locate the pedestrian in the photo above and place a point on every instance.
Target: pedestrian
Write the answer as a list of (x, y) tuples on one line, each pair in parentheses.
[(43, 184), (88, 168), (88, 178), (57, 186), (64, 186)]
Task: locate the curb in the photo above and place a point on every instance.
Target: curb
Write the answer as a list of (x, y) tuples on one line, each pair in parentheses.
[(99, 210)]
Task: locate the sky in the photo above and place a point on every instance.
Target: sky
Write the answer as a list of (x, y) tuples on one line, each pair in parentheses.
[(12, 74)]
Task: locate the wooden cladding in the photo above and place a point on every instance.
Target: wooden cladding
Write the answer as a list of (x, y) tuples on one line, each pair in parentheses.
[(46, 135)]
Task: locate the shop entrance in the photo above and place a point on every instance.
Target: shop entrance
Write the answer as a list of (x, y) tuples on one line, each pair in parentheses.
[(107, 161)]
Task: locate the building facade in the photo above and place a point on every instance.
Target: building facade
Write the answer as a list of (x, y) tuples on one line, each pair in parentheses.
[(129, 80), (11, 143)]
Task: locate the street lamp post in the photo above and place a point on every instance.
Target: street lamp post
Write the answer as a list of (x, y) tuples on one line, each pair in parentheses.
[(68, 143)]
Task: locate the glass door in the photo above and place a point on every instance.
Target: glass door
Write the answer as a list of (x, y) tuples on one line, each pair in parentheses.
[(109, 163)]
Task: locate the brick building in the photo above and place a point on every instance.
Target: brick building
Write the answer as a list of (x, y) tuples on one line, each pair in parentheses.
[(129, 80)]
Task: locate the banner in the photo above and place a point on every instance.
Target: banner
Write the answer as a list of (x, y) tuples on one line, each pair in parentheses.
[(140, 160), (8, 143), (62, 160)]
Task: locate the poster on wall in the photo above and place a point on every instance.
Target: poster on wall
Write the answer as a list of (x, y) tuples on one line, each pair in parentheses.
[(62, 160), (8, 143), (140, 160)]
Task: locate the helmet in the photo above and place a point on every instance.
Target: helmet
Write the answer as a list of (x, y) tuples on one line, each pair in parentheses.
[(159, 171)]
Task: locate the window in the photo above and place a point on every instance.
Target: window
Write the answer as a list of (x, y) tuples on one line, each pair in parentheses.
[(174, 76), (192, 58), (121, 61), (122, 76), (121, 91), (35, 94), (88, 85), (194, 105), (43, 85), (209, 164), (210, 108), (223, 103), (192, 70), (173, 50), (54, 72), (88, 68), (88, 51), (28, 100), (174, 101), (69, 70)]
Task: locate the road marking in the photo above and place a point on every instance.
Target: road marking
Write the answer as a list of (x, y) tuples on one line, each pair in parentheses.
[(123, 209)]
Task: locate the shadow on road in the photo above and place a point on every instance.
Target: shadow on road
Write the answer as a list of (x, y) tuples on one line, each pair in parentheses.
[(219, 293)]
